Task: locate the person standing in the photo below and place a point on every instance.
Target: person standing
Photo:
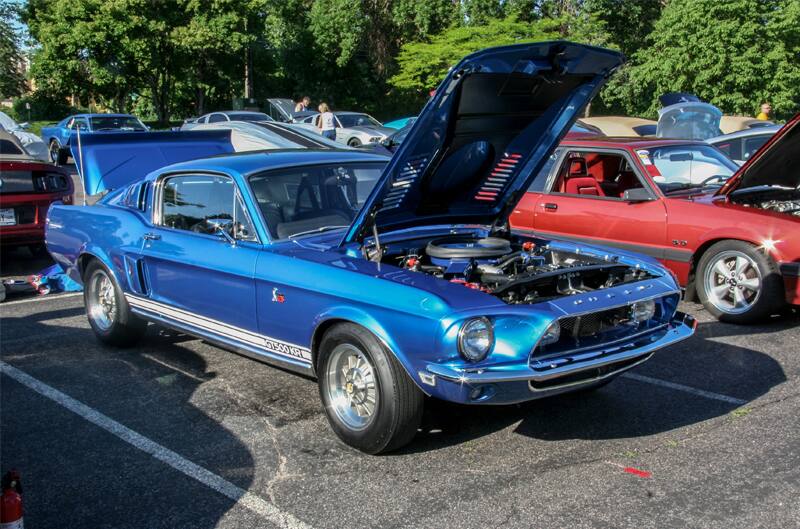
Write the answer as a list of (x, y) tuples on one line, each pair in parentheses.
[(766, 112), (326, 122), (303, 104)]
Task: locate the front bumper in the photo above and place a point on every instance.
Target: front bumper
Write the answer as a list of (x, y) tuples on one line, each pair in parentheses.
[(510, 383)]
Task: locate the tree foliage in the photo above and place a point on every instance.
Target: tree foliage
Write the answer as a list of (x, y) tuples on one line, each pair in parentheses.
[(748, 55), (12, 75)]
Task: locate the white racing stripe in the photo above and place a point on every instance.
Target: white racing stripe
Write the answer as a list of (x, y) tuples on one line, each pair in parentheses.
[(242, 497), (685, 389)]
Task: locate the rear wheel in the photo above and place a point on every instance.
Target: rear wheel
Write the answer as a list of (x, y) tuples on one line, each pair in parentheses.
[(57, 155), (370, 401), (109, 314), (354, 142), (738, 283)]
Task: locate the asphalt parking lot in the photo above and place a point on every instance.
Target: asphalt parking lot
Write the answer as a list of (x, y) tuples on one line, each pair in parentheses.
[(178, 433)]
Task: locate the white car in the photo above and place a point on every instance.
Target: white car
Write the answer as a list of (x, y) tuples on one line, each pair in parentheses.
[(353, 128), (224, 116), (269, 135), (32, 143)]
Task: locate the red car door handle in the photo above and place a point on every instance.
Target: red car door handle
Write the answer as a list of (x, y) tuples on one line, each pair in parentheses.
[(551, 206)]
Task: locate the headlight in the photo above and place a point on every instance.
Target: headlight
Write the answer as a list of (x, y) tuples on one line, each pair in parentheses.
[(475, 339), (643, 310), (551, 334)]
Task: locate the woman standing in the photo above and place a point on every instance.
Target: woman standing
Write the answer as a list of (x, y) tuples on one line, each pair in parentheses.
[(326, 122)]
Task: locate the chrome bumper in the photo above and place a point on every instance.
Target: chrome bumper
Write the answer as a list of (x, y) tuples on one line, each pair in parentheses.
[(624, 355)]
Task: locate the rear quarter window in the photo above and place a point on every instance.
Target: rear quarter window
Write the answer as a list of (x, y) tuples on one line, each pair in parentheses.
[(9, 147)]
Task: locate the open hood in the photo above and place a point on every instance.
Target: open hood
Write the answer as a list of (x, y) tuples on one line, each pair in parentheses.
[(691, 120), (111, 160), (775, 164), (479, 142)]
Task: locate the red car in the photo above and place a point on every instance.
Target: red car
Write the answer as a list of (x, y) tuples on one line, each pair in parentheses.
[(27, 188), (730, 234)]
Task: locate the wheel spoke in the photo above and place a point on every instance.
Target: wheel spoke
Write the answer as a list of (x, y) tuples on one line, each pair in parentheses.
[(752, 284), (738, 298), (721, 269), (720, 290), (741, 265)]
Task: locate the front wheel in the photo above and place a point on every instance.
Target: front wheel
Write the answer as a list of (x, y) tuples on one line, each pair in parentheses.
[(57, 155), (370, 401), (109, 314), (354, 142), (738, 283)]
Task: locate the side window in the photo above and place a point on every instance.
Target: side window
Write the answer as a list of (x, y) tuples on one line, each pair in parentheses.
[(731, 148), (204, 204), (8, 147), (751, 145), (598, 174), (216, 118)]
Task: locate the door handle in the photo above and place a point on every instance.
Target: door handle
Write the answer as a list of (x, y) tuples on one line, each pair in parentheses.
[(152, 237), (551, 206)]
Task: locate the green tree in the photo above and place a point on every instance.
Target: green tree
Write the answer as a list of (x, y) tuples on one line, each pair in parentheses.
[(745, 56), (422, 65), (12, 76)]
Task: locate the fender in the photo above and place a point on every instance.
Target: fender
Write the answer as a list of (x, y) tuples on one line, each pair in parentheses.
[(741, 233)]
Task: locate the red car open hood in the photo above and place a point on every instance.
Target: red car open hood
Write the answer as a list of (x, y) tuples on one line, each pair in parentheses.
[(774, 164)]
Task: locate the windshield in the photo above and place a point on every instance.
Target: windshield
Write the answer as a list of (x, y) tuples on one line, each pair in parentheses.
[(248, 116), (684, 166), (299, 200), (116, 123), (357, 120)]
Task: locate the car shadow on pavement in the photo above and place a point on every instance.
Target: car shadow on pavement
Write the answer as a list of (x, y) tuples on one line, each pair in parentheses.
[(135, 388), (628, 407)]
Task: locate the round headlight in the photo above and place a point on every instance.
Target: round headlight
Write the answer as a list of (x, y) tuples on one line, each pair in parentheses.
[(551, 334), (643, 310), (475, 339)]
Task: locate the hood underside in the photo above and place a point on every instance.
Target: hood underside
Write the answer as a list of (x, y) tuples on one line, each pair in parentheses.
[(775, 164), (480, 141), (111, 160)]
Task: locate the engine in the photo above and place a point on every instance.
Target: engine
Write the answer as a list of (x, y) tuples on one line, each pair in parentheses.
[(516, 271), (780, 200)]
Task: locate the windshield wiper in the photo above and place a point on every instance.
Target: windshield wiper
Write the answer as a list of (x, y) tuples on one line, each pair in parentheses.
[(315, 230)]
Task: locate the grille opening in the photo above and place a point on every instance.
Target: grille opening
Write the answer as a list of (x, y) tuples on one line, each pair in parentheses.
[(587, 375)]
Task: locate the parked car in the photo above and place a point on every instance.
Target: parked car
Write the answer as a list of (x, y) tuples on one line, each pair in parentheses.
[(27, 188), (740, 146), (387, 280), (57, 136), (282, 109), (729, 234), (622, 125), (353, 128), (731, 124), (267, 135), (398, 124), (32, 143), (224, 116)]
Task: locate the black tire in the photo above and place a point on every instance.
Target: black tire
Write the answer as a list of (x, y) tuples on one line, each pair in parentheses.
[(397, 412), (120, 329), (57, 154), (769, 299), (354, 142)]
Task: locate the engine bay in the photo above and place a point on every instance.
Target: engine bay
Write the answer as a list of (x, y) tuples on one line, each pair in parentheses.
[(778, 199), (514, 270)]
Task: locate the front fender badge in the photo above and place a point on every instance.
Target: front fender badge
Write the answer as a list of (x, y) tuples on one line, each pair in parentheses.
[(277, 297)]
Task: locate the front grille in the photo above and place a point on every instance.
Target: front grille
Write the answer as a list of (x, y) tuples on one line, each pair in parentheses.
[(596, 330), (594, 322)]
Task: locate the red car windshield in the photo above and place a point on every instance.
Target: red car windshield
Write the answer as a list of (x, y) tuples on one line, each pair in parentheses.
[(684, 166)]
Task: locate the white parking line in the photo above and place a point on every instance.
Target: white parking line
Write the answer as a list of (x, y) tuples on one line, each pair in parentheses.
[(685, 389), (249, 500), (41, 298)]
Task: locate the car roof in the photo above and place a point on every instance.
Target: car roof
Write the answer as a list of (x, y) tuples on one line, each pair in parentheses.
[(755, 131), (100, 114), (626, 142), (254, 112), (246, 163), (22, 157)]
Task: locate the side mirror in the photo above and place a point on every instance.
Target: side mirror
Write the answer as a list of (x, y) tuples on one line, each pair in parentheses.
[(638, 194), (222, 231), (24, 126)]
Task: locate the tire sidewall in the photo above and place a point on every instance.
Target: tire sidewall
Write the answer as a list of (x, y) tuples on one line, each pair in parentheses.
[(122, 316), (771, 297), (55, 152), (379, 431)]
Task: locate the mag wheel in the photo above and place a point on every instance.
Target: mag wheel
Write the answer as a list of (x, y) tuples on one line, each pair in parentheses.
[(370, 401), (354, 142), (109, 314), (55, 152), (738, 283)]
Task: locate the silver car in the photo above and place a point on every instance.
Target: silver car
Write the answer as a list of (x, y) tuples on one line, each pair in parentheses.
[(354, 128), (740, 146), (223, 116)]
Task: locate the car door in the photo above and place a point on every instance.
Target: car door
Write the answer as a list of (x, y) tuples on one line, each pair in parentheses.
[(599, 196), (200, 254)]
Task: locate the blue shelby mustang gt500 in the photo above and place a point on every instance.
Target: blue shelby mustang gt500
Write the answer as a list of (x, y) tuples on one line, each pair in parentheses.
[(388, 280)]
